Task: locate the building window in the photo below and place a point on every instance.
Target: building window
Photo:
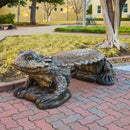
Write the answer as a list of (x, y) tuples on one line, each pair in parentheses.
[(37, 8), (98, 9), (55, 9), (29, 7), (125, 8), (61, 9), (8, 6)]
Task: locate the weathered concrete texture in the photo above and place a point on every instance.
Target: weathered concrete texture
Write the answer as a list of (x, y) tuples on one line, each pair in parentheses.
[(126, 68), (92, 107)]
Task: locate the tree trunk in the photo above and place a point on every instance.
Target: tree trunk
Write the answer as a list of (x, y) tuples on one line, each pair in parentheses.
[(18, 20), (33, 12), (48, 16), (84, 13), (111, 16), (121, 3), (77, 18)]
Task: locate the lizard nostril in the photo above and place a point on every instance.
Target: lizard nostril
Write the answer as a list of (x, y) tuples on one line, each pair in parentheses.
[(38, 60)]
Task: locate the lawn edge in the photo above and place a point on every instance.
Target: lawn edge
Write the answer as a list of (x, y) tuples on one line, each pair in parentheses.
[(89, 33)]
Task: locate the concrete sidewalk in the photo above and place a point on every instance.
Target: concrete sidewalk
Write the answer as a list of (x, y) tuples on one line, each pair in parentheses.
[(92, 107), (41, 30), (27, 31)]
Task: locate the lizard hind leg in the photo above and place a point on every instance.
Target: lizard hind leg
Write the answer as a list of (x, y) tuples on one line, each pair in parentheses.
[(107, 75), (19, 92), (105, 79)]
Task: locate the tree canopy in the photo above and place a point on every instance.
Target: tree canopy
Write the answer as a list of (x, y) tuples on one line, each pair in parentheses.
[(89, 10), (49, 5), (77, 6), (55, 2), (11, 2)]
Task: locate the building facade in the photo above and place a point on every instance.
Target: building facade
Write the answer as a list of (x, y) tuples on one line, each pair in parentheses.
[(63, 12), (97, 11)]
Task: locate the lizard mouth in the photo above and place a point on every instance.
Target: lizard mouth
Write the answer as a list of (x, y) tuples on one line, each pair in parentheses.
[(34, 69)]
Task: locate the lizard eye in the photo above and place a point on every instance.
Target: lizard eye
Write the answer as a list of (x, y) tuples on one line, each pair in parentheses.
[(29, 57)]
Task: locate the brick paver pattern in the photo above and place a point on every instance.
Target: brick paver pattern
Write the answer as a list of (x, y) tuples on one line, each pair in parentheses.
[(92, 107)]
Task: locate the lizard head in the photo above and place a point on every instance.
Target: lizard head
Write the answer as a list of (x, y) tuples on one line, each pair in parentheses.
[(30, 62)]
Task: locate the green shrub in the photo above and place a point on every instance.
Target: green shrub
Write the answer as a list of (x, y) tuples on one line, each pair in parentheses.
[(93, 29), (22, 23), (124, 29), (101, 19), (7, 18), (89, 10), (125, 19), (98, 19)]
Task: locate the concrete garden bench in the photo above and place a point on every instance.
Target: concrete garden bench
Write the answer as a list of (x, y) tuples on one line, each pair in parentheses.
[(8, 26)]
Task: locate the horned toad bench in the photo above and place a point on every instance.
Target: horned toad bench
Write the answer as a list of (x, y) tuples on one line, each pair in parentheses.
[(49, 76)]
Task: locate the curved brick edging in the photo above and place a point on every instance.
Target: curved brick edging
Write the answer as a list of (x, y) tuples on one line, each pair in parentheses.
[(11, 85), (113, 59), (14, 84)]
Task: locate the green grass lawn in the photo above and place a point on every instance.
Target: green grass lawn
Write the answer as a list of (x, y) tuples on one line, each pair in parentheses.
[(91, 29), (48, 44)]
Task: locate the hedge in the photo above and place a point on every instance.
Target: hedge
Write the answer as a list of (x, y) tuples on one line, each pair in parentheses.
[(22, 23), (93, 29), (7, 18), (101, 19)]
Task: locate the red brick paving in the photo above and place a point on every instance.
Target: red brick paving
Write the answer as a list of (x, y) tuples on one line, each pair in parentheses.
[(95, 126), (43, 125), (92, 107), (9, 122)]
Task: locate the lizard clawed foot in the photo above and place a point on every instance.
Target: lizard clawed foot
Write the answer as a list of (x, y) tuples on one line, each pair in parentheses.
[(106, 79), (19, 92), (52, 100)]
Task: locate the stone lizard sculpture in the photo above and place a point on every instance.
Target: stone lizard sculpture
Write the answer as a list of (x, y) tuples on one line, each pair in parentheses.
[(49, 76)]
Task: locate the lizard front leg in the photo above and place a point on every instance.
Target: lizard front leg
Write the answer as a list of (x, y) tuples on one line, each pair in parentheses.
[(58, 97), (21, 91)]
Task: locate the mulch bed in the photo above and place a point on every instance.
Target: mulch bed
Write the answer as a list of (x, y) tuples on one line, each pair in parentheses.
[(31, 25)]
